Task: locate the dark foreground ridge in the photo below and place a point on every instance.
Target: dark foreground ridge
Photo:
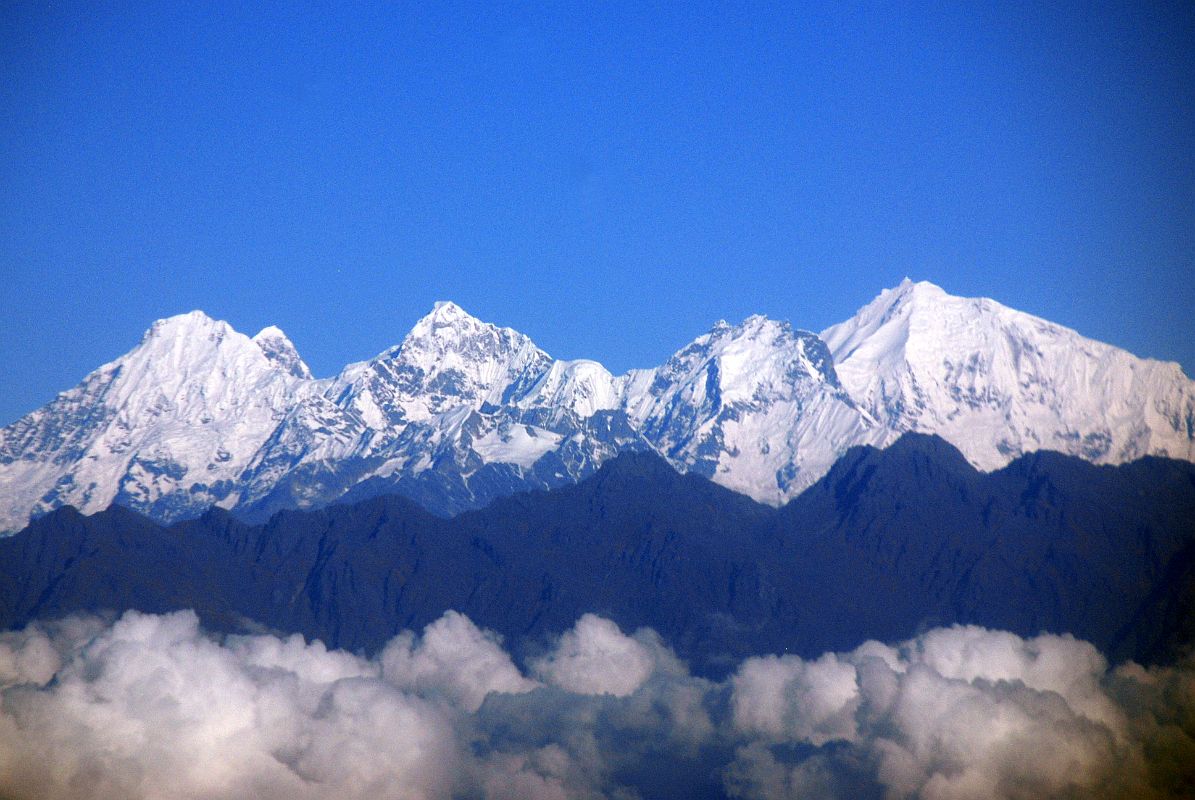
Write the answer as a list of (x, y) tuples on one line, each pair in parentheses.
[(888, 543)]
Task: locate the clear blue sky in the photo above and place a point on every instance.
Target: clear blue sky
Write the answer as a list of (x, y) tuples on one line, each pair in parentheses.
[(609, 180)]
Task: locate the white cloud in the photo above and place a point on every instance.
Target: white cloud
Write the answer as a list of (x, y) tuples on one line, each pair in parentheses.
[(960, 712), (456, 658), (789, 698), (595, 657), (149, 706)]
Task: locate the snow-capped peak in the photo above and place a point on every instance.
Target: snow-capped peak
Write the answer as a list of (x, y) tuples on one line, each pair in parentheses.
[(449, 360), (451, 354), (997, 382), (463, 410), (755, 406), (581, 387), (178, 351), (448, 310), (193, 324), (446, 318), (269, 332), (193, 317), (885, 312), (760, 357), (164, 428), (281, 350)]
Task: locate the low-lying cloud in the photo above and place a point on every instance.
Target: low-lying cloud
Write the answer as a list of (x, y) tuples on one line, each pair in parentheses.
[(150, 706)]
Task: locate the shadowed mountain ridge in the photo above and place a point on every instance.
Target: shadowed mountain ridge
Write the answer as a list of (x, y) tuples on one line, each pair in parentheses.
[(887, 543)]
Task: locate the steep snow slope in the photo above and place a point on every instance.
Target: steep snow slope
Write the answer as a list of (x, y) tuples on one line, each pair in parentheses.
[(165, 429), (458, 413), (756, 407), (580, 387), (462, 411), (997, 383), (279, 349), (448, 360)]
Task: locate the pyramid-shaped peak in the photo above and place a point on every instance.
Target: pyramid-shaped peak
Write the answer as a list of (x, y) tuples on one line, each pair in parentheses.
[(278, 347), (891, 312), (447, 307), (446, 317), (448, 322), (448, 311), (450, 338), (898, 301)]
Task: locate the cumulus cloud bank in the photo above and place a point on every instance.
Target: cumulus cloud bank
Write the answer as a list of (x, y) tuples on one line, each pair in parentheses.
[(150, 706)]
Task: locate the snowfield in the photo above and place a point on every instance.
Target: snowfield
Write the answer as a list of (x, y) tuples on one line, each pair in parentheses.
[(198, 414)]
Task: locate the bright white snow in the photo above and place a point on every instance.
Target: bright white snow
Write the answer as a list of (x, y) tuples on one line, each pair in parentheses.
[(199, 414), (997, 383)]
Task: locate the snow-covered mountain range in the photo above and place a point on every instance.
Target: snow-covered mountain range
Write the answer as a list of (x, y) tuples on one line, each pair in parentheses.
[(996, 382), (462, 411)]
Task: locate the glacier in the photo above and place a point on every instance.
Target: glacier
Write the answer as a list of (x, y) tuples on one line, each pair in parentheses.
[(462, 411), (997, 383)]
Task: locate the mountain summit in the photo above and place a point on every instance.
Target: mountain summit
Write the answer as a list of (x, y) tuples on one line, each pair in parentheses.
[(462, 411), (998, 383), (168, 428), (279, 349), (757, 407)]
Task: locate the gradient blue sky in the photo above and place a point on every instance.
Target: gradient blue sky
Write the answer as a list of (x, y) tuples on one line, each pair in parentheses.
[(609, 180)]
